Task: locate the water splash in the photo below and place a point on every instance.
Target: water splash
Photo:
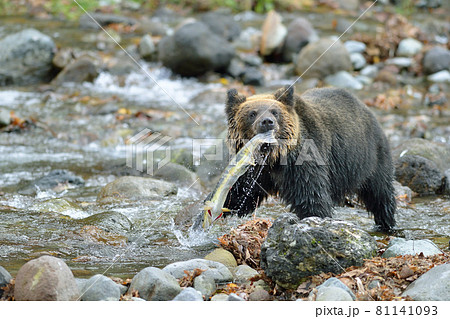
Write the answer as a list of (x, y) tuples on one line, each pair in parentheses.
[(195, 237)]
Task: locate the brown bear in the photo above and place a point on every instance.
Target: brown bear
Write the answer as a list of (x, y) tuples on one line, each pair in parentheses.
[(329, 145)]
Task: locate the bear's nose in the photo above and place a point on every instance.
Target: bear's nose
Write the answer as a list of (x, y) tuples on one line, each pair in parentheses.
[(266, 124)]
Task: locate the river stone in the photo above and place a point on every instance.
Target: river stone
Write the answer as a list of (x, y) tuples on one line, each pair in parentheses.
[(335, 283), (401, 246), (100, 287), (188, 294), (222, 256), (249, 40), (401, 62), (57, 180), (370, 71), (194, 50), (358, 61), (83, 69), (296, 248), (300, 32), (205, 285), (332, 294), (222, 24), (26, 58), (335, 59), (134, 188), (434, 285), (243, 273), (5, 117), (355, 46), (409, 47), (253, 76), (219, 272), (112, 222), (259, 294), (439, 77), (45, 278), (61, 206), (94, 19), (343, 79), (154, 284), (436, 59), (273, 34), (147, 48), (5, 278), (178, 174), (234, 297), (219, 297)]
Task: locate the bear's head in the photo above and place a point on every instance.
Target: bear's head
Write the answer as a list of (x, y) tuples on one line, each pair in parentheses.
[(248, 116)]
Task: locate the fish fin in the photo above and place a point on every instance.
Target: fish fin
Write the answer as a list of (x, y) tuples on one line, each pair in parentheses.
[(226, 210)]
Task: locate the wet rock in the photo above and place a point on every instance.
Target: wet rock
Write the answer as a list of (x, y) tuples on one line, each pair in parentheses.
[(219, 272), (193, 50), (26, 58), (61, 206), (154, 284), (133, 188), (222, 24), (300, 32), (418, 173), (112, 222), (94, 20), (205, 285), (147, 48), (332, 294), (222, 256), (409, 47), (83, 69), (5, 278), (343, 79), (324, 293), (358, 61), (273, 34), (249, 40), (259, 295), (355, 46), (403, 192), (439, 77), (45, 278), (5, 117), (436, 59), (56, 180), (335, 59), (294, 248), (253, 76), (401, 246), (178, 174), (243, 273), (188, 294), (99, 287), (446, 186), (433, 285)]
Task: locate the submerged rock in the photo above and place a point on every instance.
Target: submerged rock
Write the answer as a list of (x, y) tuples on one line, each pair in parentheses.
[(401, 246), (112, 222), (434, 285), (335, 59), (133, 188), (154, 284), (45, 278), (193, 50), (56, 180), (296, 248), (26, 58)]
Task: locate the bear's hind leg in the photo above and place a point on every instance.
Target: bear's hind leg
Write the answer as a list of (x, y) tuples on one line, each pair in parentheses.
[(377, 194)]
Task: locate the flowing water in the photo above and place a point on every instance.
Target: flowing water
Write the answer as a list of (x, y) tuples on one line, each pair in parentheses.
[(83, 128)]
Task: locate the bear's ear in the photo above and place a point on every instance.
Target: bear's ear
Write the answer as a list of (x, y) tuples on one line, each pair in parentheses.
[(285, 95), (233, 100)]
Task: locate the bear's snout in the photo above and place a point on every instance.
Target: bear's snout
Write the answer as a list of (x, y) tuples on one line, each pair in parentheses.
[(266, 124)]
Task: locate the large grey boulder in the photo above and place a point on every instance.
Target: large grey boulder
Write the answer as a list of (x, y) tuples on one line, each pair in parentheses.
[(296, 248), (154, 284), (335, 58), (26, 58), (433, 285), (194, 49), (45, 278)]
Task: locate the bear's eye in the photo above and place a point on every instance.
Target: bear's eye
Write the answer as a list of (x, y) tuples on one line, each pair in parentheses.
[(252, 115), (275, 113)]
